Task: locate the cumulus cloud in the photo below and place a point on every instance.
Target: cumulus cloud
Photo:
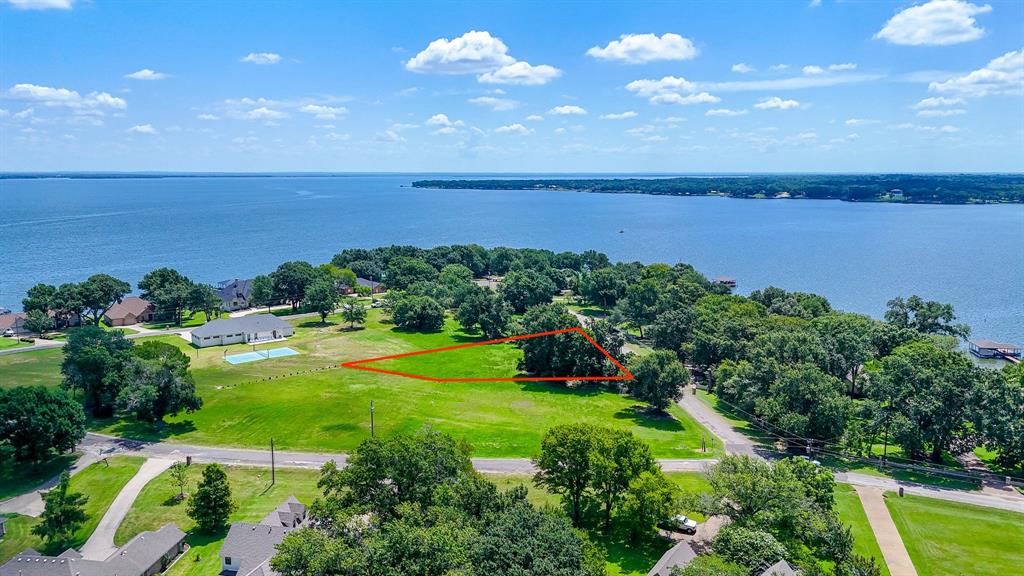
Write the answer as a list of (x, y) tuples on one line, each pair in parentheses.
[(496, 104), (261, 58), (143, 129), (264, 113), (859, 122), (389, 136), (938, 102), (535, 118), (935, 23), (776, 103), (568, 110), (665, 85), (1002, 75), (146, 74), (841, 67), (444, 130), (641, 48), (42, 4), (813, 70), (742, 68), (208, 117), (442, 120), (522, 74), (676, 98), (324, 112), (472, 53), (516, 128), (932, 113), (725, 112), (619, 116), (48, 96)]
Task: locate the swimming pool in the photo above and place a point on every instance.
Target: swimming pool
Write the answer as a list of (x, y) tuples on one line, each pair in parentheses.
[(259, 355)]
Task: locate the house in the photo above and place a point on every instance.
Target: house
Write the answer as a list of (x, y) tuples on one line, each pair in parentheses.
[(130, 310), (15, 322), (248, 548), (234, 294), (678, 556), (780, 568), (248, 329), (375, 287), (726, 281), (147, 554)]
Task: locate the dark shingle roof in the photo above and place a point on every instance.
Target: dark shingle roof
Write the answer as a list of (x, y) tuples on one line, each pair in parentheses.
[(679, 555), (367, 283), (290, 513), (252, 544), (232, 288), (132, 559), (244, 324), (780, 568)]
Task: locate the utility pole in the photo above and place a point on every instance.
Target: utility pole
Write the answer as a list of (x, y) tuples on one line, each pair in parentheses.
[(371, 420), (273, 468)]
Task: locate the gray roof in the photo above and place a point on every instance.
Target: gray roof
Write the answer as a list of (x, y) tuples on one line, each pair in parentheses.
[(289, 514), (229, 289), (679, 555), (252, 545), (365, 282), (780, 568), (132, 559), (242, 324)]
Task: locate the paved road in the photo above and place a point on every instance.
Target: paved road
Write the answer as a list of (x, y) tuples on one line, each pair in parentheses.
[(735, 442), (888, 537), (100, 545)]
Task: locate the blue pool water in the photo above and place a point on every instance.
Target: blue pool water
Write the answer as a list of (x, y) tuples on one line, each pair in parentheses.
[(259, 355)]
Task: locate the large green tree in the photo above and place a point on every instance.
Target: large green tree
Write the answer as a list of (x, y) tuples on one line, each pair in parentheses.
[(170, 291), (63, 512), (100, 292), (926, 316), (659, 378), (94, 362), (36, 422), (421, 313), (564, 465), (211, 504), (525, 288), (290, 281), (157, 383), (322, 298)]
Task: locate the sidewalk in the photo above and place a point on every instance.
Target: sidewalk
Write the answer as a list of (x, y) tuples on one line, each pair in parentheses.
[(888, 537)]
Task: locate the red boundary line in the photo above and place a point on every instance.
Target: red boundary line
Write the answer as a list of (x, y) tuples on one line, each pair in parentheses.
[(627, 375)]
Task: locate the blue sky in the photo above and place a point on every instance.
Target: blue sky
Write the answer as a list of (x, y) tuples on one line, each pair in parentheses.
[(512, 87)]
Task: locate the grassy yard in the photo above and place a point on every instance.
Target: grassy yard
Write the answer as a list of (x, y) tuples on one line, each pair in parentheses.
[(6, 343), (157, 505), (198, 319), (247, 404), (852, 514), (38, 367), (17, 479), (101, 482), (951, 538)]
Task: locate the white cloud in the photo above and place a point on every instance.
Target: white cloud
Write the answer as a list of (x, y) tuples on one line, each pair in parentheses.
[(665, 85), (143, 129), (947, 129), (619, 116), (442, 120), (938, 102), (859, 122), (389, 136), (521, 74), (674, 98), (841, 67), (814, 4), (63, 97), (778, 67), (535, 118), (776, 103), (262, 58), (472, 53), (670, 119), (725, 112), (1002, 75), (208, 117), (813, 70), (4, 113), (936, 23), (264, 113), (640, 48), (42, 4), (642, 130), (146, 74), (742, 68), (567, 110), (324, 112), (941, 113), (794, 83), (514, 129), (496, 104), (444, 130)]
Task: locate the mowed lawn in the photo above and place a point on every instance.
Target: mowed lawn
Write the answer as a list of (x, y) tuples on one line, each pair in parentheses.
[(852, 514), (307, 402), (951, 538), (101, 482)]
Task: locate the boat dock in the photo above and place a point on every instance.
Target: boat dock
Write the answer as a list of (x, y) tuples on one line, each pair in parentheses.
[(997, 350)]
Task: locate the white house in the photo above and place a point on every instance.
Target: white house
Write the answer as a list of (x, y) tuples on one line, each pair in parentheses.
[(244, 329)]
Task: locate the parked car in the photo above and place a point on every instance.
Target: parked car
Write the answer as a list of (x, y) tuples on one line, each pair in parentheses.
[(680, 524), (8, 333), (815, 462)]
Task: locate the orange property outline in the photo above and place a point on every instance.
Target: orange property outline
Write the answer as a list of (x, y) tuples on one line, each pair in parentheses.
[(626, 374)]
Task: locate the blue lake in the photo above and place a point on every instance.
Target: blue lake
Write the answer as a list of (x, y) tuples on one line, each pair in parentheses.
[(211, 229)]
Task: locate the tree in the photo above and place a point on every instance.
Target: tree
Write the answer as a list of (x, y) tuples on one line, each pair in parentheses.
[(747, 547), (211, 504), (290, 281), (568, 353), (525, 288), (168, 290), (39, 297), (421, 313), (100, 292), (650, 499), (63, 512), (353, 312), (179, 475), (403, 271), (67, 306), (847, 341), (672, 329), (483, 308), (658, 378), (36, 422), (261, 292), (156, 388), (204, 298), (926, 316), (603, 286), (322, 298), (618, 458), (640, 306), (523, 540), (564, 465), (1000, 414), (806, 402), (94, 360), (38, 322)]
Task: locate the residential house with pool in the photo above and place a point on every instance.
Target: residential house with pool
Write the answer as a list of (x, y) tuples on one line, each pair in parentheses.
[(242, 330)]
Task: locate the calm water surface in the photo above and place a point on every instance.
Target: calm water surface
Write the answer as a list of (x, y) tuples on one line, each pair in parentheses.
[(211, 229)]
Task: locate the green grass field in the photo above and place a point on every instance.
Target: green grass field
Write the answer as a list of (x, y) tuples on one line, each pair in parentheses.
[(17, 479), (198, 319), (6, 343), (851, 512), (306, 402), (951, 538), (101, 482)]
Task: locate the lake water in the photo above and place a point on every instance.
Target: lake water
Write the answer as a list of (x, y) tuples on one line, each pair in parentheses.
[(211, 229)]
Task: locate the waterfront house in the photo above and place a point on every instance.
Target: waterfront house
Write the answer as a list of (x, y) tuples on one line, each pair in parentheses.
[(244, 329), (130, 310), (248, 548), (146, 554), (375, 287), (15, 322), (234, 294)]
